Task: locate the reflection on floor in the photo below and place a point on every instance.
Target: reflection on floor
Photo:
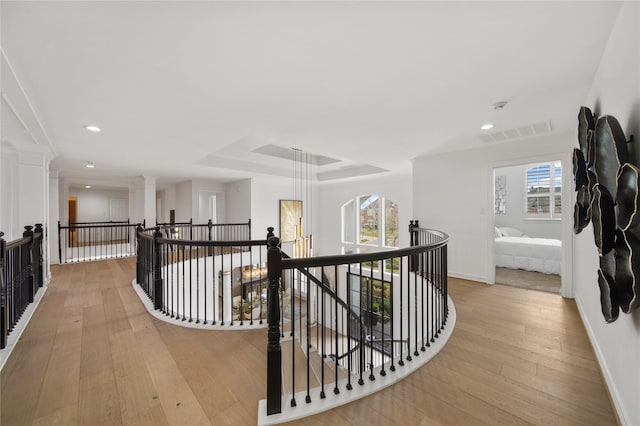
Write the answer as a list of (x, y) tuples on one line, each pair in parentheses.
[(530, 280)]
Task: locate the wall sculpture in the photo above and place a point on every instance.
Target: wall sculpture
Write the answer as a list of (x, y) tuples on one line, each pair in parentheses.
[(608, 193)]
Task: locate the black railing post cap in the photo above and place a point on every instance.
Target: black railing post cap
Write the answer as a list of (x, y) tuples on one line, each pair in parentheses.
[(28, 228), (273, 241), (1, 234)]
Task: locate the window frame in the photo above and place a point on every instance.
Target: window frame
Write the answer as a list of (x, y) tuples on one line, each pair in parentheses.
[(355, 245), (550, 195)]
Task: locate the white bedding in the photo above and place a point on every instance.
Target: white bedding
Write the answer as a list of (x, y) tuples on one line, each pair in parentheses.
[(532, 254)]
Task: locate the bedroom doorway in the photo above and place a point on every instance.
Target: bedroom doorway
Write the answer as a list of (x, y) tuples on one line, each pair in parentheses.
[(527, 224)]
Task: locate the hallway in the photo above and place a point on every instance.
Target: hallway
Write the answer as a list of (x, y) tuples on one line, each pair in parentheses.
[(93, 355)]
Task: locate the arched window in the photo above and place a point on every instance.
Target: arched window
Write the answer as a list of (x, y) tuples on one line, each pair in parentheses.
[(369, 222)]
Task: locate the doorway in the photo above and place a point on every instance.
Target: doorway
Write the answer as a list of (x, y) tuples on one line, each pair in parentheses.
[(73, 217), (528, 213)]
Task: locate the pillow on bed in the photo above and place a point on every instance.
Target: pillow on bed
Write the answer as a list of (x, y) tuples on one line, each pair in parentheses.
[(511, 232), (496, 232)]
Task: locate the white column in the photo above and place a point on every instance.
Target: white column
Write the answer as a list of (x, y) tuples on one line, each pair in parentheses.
[(33, 185), (54, 217), (150, 200), (9, 192)]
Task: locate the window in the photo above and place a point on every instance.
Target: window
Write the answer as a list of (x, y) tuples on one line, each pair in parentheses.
[(369, 221), (544, 191)]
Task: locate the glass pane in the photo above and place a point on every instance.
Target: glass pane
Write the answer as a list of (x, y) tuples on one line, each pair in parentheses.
[(349, 222), (557, 173), (538, 179), (391, 224), (538, 205), (557, 209), (369, 206)]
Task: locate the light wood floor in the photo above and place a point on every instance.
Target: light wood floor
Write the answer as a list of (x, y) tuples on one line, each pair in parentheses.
[(92, 355), (528, 279)]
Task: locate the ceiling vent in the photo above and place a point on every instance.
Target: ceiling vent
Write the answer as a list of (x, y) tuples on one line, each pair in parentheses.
[(287, 154), (528, 131)]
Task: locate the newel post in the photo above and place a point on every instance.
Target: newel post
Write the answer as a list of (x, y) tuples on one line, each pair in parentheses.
[(4, 311), (157, 273), (210, 248), (38, 255), (27, 257), (413, 241), (139, 254), (60, 243), (274, 351)]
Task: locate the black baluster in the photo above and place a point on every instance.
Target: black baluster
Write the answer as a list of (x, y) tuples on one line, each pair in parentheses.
[(157, 275), (4, 311)]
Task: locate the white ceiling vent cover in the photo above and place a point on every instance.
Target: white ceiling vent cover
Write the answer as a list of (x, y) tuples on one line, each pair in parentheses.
[(517, 133)]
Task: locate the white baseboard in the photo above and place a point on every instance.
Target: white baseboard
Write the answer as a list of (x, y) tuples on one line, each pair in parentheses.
[(613, 390), (469, 277)]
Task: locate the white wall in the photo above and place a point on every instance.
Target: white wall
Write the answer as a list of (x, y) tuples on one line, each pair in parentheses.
[(266, 193), (94, 204), (201, 190), (183, 202), (33, 182), (332, 196), (515, 206), (238, 206), (9, 212), (454, 193), (615, 91)]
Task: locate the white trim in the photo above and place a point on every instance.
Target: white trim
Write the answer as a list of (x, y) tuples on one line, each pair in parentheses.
[(611, 385), (568, 198), (146, 301), (470, 277)]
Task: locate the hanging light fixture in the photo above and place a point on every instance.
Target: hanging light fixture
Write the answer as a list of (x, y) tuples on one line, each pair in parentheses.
[(302, 188)]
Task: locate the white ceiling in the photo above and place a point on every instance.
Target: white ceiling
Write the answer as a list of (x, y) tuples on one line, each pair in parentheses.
[(190, 89)]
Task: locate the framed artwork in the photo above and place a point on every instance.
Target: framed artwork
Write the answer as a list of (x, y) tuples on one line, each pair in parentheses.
[(290, 215)]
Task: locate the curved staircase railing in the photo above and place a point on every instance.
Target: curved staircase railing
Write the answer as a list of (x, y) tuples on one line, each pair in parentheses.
[(359, 316), (338, 326), (217, 282)]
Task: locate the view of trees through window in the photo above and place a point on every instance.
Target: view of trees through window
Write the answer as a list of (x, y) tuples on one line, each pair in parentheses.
[(370, 221)]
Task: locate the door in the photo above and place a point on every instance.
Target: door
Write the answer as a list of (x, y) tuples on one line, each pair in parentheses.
[(73, 217)]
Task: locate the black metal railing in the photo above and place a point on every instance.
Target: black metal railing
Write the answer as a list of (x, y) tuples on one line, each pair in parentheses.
[(88, 241), (206, 231), (21, 275), (218, 282), (352, 317)]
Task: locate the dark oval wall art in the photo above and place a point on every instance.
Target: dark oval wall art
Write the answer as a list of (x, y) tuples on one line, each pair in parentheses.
[(602, 171)]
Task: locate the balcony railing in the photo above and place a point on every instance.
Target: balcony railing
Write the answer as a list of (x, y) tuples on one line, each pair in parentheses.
[(352, 318), (216, 282), (206, 231), (89, 241), (21, 275), (337, 325)]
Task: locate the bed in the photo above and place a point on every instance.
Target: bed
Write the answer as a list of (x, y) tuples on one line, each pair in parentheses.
[(516, 250)]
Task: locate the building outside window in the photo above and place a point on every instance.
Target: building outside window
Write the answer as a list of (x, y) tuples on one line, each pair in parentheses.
[(544, 191)]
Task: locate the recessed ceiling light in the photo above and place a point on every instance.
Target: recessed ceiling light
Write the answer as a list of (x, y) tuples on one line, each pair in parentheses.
[(89, 165), (92, 128), (87, 186), (486, 126)]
